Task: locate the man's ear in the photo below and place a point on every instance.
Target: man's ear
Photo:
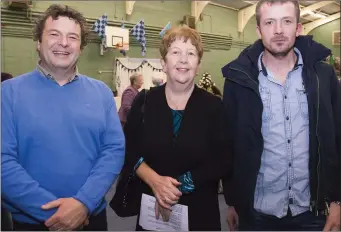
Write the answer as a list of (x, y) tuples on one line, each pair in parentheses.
[(259, 32), (298, 29)]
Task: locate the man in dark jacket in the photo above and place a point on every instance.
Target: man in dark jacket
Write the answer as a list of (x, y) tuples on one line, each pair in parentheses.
[(284, 108)]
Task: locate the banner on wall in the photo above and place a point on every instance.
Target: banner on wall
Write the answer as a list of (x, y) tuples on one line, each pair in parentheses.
[(137, 69), (125, 67)]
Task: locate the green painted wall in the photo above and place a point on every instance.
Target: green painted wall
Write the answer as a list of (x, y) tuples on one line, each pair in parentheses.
[(323, 34), (216, 20), (19, 54)]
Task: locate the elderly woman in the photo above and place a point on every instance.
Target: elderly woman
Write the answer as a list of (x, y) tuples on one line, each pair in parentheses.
[(157, 81), (181, 149)]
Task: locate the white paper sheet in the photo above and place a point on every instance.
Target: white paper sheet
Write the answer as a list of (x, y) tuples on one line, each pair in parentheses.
[(178, 220)]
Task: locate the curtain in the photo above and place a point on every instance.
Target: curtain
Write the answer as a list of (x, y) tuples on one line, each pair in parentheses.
[(125, 67)]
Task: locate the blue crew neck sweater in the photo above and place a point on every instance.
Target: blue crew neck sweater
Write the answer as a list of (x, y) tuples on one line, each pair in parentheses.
[(57, 142)]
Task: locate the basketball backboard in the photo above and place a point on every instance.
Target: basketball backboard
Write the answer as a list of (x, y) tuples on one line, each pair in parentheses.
[(117, 37)]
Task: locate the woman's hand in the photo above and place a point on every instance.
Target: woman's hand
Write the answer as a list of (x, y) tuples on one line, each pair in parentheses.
[(159, 210), (165, 191), (164, 187)]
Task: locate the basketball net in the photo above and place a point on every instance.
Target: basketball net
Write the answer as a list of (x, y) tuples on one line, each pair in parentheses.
[(119, 45)]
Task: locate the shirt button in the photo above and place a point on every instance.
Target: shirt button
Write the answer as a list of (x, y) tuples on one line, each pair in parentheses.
[(288, 140), (287, 117), (285, 96), (289, 164)]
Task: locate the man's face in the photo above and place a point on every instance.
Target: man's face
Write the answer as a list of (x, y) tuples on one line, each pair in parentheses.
[(60, 44), (278, 27), (139, 82)]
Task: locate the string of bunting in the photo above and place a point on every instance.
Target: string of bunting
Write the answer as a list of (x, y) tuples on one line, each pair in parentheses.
[(138, 67)]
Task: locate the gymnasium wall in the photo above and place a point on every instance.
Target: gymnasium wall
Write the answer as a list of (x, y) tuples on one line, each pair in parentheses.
[(19, 55)]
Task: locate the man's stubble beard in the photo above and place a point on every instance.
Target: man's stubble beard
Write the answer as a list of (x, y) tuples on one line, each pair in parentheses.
[(280, 54)]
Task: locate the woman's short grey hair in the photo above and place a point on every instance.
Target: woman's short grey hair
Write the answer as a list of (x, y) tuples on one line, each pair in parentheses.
[(134, 77), (157, 81)]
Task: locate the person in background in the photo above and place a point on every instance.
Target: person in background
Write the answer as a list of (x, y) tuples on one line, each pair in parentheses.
[(284, 108), (157, 81), (62, 143), (181, 149), (6, 217), (207, 84), (128, 95)]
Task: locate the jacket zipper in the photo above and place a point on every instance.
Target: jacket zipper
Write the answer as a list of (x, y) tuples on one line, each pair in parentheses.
[(318, 142), (238, 70)]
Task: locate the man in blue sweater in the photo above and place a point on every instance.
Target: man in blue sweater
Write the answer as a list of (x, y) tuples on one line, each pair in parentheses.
[(62, 142)]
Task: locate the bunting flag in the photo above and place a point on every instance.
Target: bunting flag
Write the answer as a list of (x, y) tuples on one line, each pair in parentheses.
[(140, 35), (166, 28), (138, 68), (99, 26), (122, 51)]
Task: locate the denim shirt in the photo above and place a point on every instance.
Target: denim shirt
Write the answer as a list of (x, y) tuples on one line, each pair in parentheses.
[(283, 178)]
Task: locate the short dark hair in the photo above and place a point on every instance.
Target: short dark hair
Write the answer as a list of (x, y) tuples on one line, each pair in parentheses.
[(5, 76), (55, 11), (261, 2)]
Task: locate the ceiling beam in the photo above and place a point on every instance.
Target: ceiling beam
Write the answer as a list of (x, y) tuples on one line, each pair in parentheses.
[(244, 16), (315, 6), (223, 6), (197, 8), (129, 7), (310, 26)]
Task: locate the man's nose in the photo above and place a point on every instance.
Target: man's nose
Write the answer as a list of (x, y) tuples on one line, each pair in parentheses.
[(279, 28), (63, 41)]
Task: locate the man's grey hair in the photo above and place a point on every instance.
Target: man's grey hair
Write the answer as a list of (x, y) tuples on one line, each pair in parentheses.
[(157, 81), (134, 77)]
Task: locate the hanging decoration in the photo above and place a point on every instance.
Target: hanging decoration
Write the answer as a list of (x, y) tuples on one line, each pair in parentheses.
[(138, 68), (206, 81), (99, 26), (140, 34), (207, 84)]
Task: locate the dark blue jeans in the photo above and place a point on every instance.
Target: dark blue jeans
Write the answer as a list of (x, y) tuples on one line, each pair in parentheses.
[(304, 222)]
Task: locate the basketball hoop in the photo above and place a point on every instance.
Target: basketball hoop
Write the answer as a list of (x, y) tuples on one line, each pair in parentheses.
[(120, 45), (117, 38)]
